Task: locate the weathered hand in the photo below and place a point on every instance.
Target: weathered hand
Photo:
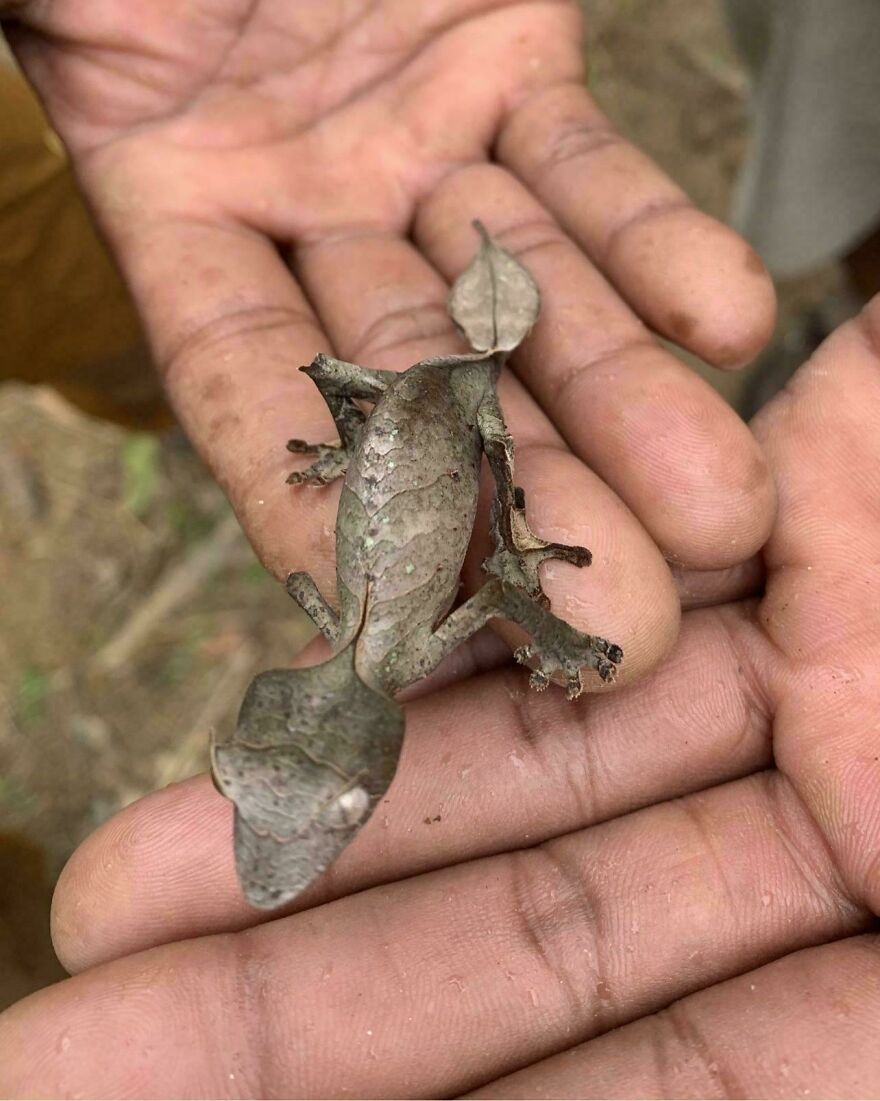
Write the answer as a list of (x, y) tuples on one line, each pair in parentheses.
[(218, 139), (672, 877)]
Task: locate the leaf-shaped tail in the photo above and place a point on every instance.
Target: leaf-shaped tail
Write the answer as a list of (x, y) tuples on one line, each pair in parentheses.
[(494, 301), (313, 752)]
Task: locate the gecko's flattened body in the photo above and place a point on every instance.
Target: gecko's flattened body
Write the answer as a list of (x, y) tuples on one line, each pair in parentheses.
[(315, 749), (410, 498)]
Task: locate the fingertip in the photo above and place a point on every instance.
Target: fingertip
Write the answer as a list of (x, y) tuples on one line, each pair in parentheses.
[(688, 276), (718, 299), (730, 536), (117, 892), (679, 456), (720, 505)]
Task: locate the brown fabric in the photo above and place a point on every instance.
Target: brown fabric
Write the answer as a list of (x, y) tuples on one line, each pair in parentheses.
[(65, 317)]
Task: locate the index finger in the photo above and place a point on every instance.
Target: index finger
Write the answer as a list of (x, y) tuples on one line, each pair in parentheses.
[(229, 327)]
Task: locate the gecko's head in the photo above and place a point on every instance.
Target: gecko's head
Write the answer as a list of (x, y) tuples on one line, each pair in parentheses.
[(313, 752)]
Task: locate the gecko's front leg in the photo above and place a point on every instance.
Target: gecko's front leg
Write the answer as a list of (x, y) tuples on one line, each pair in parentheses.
[(518, 551), (301, 586), (342, 385)]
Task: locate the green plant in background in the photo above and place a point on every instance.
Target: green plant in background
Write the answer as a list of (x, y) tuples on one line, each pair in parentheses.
[(140, 471), (14, 798), (256, 574), (189, 523), (33, 691), (180, 659)]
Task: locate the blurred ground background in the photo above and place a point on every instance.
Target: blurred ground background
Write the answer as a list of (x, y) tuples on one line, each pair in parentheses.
[(133, 612)]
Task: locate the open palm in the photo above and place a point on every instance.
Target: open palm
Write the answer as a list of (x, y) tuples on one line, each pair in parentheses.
[(653, 893), (280, 179)]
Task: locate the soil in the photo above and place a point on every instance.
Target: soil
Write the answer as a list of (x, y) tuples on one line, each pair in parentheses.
[(134, 613)]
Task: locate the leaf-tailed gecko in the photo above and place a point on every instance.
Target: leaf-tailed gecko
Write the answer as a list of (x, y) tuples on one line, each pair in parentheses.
[(315, 749)]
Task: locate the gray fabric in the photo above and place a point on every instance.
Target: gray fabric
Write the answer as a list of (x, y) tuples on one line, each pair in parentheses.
[(810, 187)]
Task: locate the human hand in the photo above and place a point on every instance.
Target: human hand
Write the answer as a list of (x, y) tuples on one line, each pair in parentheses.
[(356, 140), (651, 893)]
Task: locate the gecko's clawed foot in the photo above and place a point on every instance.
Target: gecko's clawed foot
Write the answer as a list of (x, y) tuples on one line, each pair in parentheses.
[(330, 464), (566, 651), (519, 552)]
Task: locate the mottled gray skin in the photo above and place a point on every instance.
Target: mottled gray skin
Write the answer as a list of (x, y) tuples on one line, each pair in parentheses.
[(405, 518), (316, 749)]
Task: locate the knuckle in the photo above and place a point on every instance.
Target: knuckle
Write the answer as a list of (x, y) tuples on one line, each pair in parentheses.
[(561, 928), (680, 1041), (463, 192), (207, 338), (400, 328), (555, 126)]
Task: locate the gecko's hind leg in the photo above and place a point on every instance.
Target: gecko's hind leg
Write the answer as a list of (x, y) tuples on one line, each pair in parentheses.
[(305, 592), (518, 551), (330, 463), (342, 385), (555, 647)]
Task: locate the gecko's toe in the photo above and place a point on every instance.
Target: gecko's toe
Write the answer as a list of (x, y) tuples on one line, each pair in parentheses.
[(607, 671), (539, 680), (577, 556), (307, 477), (522, 654), (573, 685), (301, 447), (536, 593)]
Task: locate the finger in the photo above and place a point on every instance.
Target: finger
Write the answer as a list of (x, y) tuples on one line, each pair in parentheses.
[(567, 503), (807, 1025), (384, 305), (517, 956), (482, 653), (691, 278), (823, 609), (470, 754), (704, 588), (659, 435), (229, 327)]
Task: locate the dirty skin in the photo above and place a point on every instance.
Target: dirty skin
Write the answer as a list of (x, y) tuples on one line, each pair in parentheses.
[(316, 749)]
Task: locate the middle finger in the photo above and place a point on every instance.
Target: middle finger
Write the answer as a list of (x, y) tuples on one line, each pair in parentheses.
[(659, 435)]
